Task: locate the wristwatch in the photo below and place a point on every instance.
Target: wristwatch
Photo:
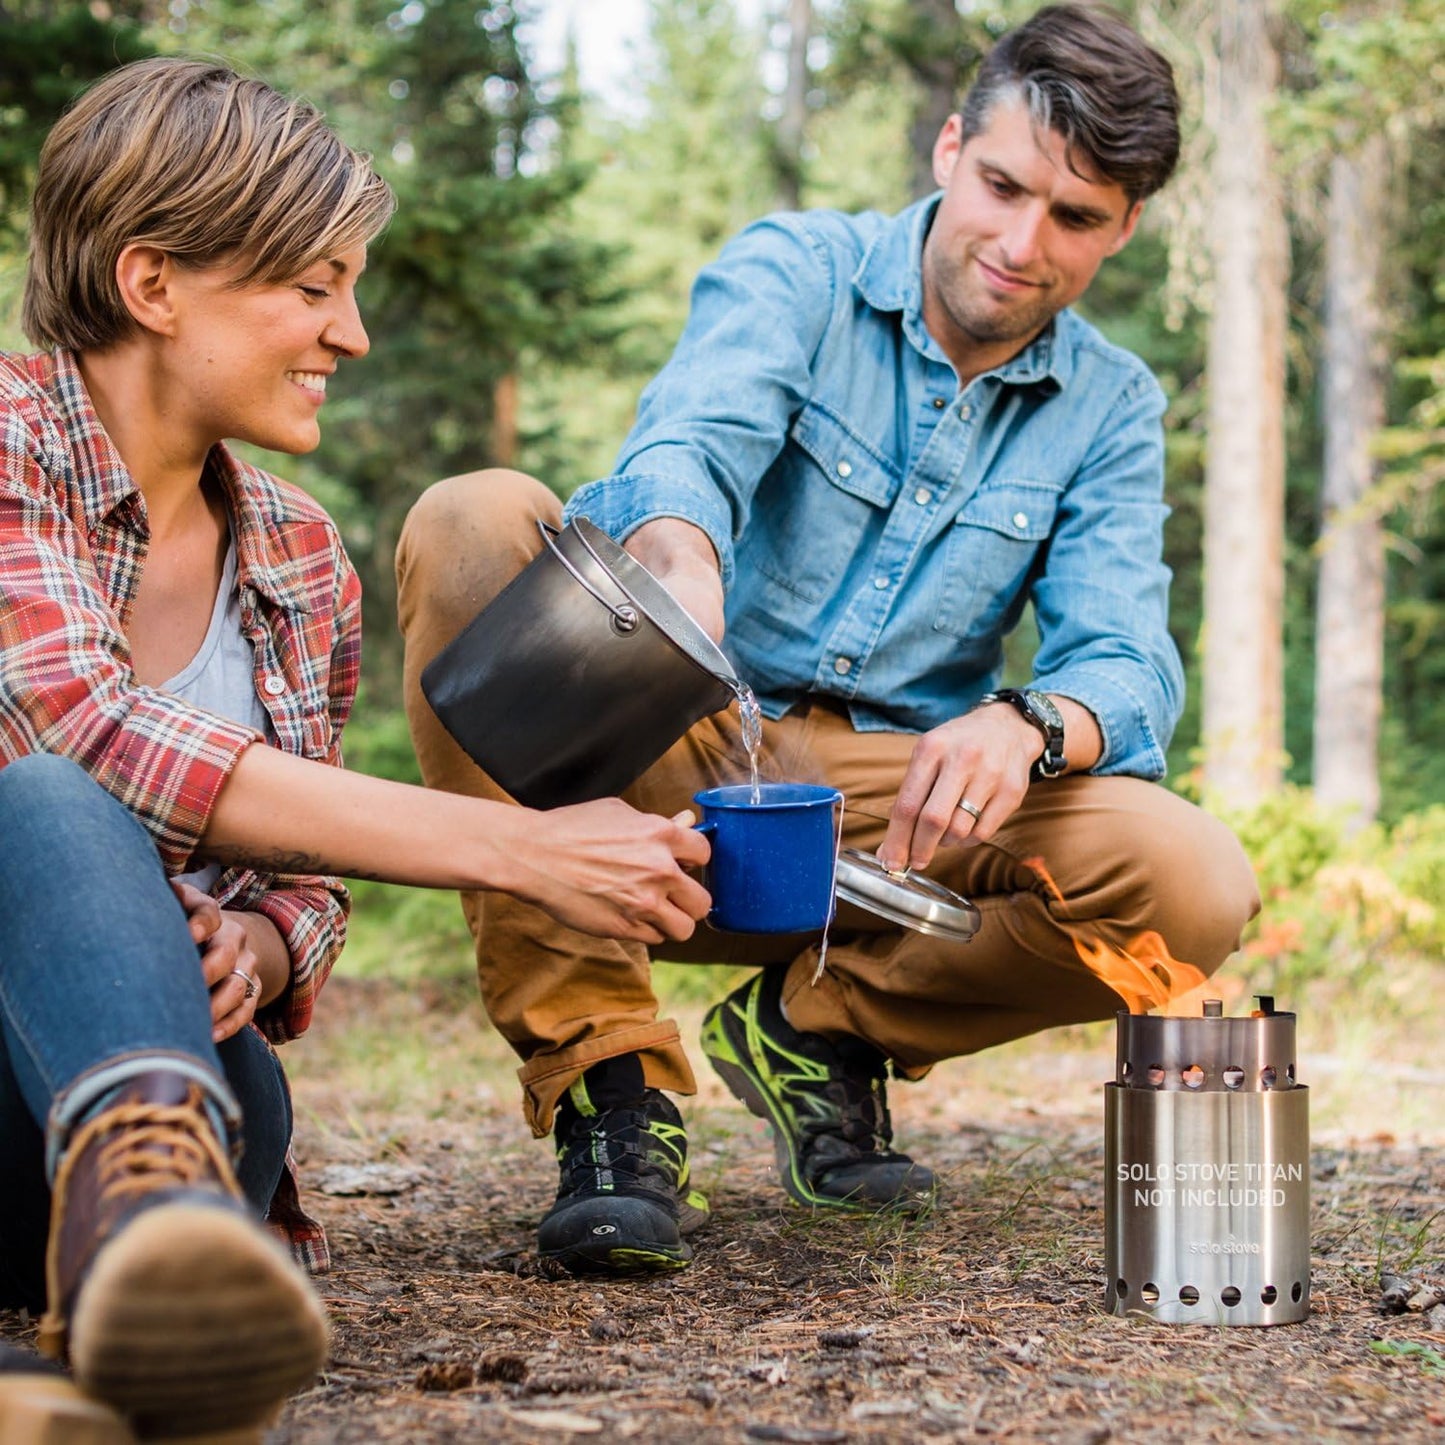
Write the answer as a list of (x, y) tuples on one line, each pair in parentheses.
[(1038, 708)]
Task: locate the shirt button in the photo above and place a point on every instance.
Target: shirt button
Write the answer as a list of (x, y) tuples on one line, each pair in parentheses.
[(845, 469), (843, 666), (275, 685), (965, 411), (939, 402), (1021, 520), (923, 496), (881, 583)]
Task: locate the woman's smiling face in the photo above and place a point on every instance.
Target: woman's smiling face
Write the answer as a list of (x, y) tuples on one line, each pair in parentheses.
[(251, 362)]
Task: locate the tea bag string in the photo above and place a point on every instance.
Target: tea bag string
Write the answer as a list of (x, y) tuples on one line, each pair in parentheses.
[(833, 910)]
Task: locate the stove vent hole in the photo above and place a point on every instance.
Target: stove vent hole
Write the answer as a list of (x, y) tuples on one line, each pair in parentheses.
[(1230, 1295), (1188, 1295), (1267, 1076), (1268, 1295), (1156, 1076), (1193, 1077), (1128, 1071), (1233, 1077), (1121, 1288), (1296, 1291), (1150, 1294)]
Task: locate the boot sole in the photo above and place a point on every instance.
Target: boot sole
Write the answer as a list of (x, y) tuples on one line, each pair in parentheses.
[(620, 1260), (193, 1321)]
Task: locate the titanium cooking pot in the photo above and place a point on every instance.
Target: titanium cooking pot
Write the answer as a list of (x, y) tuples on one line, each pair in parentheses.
[(577, 676)]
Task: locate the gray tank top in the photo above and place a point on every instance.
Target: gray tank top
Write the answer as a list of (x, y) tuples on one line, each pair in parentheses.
[(221, 678)]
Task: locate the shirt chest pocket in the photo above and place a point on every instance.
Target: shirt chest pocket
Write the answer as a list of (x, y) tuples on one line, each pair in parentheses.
[(989, 555), (824, 498)]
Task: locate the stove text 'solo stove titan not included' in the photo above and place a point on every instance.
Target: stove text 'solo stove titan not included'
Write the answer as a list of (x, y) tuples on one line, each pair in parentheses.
[(1206, 1158)]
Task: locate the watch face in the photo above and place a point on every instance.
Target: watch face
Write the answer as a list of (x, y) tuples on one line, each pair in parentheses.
[(1043, 705)]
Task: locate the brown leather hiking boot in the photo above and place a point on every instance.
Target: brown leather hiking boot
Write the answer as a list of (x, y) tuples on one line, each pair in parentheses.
[(177, 1307)]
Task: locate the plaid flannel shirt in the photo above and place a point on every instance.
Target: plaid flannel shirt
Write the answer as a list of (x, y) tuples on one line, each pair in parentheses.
[(73, 539)]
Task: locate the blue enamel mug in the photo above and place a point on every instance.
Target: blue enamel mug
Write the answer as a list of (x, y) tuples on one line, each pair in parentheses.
[(773, 861)]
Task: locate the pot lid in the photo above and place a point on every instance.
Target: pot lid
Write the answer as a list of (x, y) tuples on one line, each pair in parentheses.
[(908, 898)]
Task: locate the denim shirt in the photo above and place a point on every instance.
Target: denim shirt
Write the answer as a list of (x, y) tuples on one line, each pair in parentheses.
[(880, 530)]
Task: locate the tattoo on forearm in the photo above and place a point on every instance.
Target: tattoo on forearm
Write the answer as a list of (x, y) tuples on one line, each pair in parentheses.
[(281, 860)]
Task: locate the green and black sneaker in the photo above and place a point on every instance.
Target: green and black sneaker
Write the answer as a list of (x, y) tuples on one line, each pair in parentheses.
[(624, 1202), (826, 1102)]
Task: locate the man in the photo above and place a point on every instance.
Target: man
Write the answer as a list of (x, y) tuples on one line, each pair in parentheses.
[(877, 440)]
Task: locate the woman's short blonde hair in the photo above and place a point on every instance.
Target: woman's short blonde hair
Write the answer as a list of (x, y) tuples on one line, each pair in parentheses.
[(204, 164)]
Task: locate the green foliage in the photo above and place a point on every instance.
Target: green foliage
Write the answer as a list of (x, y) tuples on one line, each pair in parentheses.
[(411, 933), (1352, 924), (378, 742), (1431, 1360), (665, 189), (1288, 839), (48, 54), (1358, 68)]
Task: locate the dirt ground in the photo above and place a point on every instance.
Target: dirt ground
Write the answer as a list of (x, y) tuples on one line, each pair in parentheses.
[(984, 1320)]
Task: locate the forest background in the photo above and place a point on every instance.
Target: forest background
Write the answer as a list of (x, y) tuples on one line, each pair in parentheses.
[(1286, 289)]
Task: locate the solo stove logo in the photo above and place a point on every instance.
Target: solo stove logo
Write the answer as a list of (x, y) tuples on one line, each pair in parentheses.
[(1228, 1245)]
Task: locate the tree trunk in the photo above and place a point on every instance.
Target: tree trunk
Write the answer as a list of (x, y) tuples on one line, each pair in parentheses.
[(935, 62), (1243, 671), (792, 122), (1350, 616)]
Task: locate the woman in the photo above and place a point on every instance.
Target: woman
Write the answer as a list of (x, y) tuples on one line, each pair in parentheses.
[(178, 655)]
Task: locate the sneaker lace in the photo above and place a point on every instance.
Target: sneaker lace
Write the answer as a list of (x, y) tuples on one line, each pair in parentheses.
[(625, 1142), (857, 1118)]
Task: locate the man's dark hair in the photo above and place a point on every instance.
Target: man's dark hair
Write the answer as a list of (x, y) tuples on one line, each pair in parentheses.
[(1087, 75)]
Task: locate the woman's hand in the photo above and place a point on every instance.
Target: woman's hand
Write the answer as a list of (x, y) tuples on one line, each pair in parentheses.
[(228, 962), (606, 869)]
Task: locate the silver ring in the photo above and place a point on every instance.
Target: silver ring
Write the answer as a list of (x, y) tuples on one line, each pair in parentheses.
[(971, 809), (252, 986)]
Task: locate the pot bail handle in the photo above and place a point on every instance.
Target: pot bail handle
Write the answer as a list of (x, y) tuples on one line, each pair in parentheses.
[(623, 617)]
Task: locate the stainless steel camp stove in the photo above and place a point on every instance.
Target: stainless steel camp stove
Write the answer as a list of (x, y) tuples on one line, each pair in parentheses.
[(1206, 1186)]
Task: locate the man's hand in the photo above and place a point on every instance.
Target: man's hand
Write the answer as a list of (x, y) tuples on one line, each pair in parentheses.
[(228, 962), (606, 869), (682, 558), (984, 758)]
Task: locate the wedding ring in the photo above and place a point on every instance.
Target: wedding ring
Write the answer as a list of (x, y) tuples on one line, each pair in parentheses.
[(971, 809), (252, 987)]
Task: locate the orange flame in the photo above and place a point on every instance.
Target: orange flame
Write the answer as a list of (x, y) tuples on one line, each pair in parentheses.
[(1143, 973)]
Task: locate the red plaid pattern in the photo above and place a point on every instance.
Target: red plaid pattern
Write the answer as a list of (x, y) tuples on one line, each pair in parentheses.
[(73, 539)]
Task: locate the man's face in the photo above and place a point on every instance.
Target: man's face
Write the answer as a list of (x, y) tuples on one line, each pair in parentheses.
[(1016, 238)]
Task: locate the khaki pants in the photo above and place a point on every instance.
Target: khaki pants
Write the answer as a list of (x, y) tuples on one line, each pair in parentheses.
[(1127, 855)]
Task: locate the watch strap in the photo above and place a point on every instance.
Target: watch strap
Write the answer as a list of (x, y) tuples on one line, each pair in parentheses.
[(1051, 763)]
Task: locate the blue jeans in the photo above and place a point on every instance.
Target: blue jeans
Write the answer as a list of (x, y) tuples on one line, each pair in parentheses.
[(100, 981)]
